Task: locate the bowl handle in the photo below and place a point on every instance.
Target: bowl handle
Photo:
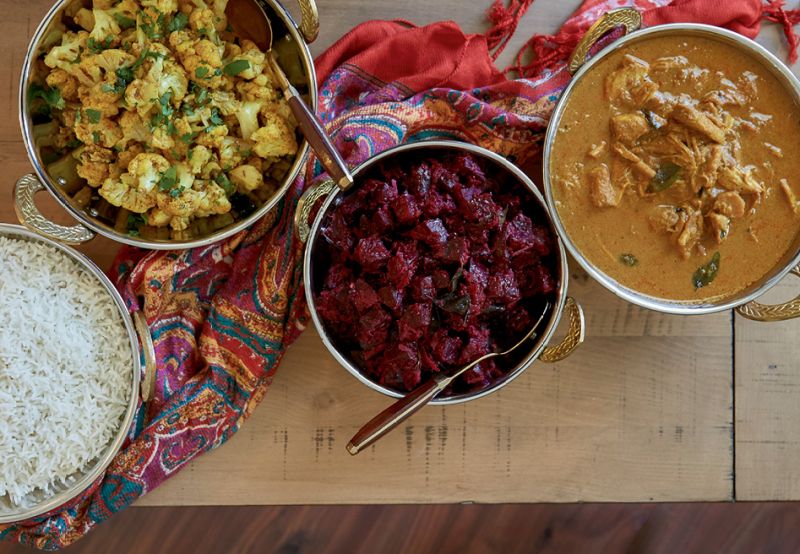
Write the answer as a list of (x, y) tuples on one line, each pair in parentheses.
[(30, 216), (149, 381), (772, 312), (575, 334), (628, 18), (302, 215), (309, 25)]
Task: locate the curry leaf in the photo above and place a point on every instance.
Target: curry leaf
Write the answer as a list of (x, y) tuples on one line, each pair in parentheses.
[(665, 177), (706, 273), (236, 67)]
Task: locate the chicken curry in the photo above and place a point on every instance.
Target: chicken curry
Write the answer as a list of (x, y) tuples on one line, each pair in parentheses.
[(674, 168)]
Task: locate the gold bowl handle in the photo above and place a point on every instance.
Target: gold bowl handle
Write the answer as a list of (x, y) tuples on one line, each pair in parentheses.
[(575, 334), (628, 18), (302, 215), (149, 381), (772, 312), (30, 216), (309, 25)]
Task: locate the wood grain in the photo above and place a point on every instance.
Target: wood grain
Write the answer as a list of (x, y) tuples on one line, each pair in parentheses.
[(643, 411)]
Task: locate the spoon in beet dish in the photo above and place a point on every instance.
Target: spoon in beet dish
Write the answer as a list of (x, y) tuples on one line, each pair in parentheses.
[(249, 21), (407, 406)]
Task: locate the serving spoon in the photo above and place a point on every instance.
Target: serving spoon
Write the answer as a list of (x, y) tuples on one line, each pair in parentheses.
[(407, 406), (249, 21)]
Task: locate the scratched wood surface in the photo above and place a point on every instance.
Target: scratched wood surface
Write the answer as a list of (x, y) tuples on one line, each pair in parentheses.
[(642, 411)]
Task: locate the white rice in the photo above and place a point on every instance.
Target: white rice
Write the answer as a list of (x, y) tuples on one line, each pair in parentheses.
[(65, 363)]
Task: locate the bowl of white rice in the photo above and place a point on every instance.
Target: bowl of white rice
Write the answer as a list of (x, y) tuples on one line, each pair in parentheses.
[(69, 373)]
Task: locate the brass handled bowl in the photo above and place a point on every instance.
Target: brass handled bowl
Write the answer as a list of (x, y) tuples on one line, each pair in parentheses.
[(141, 387), (630, 20), (544, 347), (90, 223)]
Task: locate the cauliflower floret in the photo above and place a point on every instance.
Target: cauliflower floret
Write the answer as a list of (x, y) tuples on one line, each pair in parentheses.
[(247, 114), (158, 218), (213, 200), (101, 99), (271, 110), (133, 128), (147, 170), (226, 102), (104, 133), (162, 6), (179, 224), (94, 164), (210, 170), (161, 139), (212, 136), (68, 53), (199, 157), (275, 139), (84, 18), (102, 4), (260, 88), (125, 12), (232, 151), (181, 205), (202, 21), (102, 66), (255, 57), (200, 58), (123, 192), (106, 30), (164, 77), (66, 84), (246, 178), (125, 157)]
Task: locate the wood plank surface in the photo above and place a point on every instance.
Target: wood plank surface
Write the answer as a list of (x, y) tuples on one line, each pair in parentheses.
[(643, 411)]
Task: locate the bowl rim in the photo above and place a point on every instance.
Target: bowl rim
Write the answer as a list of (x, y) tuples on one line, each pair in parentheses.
[(99, 467), (560, 294), (26, 126), (674, 307)]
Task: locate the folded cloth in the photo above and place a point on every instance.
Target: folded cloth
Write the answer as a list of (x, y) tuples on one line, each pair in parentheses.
[(222, 316)]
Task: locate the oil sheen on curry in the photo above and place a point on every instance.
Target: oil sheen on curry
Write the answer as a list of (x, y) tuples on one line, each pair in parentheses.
[(675, 168)]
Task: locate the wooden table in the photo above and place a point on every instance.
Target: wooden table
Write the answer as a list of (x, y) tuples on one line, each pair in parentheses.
[(651, 407)]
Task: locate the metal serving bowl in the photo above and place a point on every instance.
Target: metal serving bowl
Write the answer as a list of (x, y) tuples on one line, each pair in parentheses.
[(90, 224), (744, 301), (141, 345), (540, 348)]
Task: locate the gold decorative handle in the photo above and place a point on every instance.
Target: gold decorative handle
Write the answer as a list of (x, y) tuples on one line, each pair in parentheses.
[(149, 381), (575, 334), (302, 215), (30, 216), (772, 312), (309, 25), (629, 18)]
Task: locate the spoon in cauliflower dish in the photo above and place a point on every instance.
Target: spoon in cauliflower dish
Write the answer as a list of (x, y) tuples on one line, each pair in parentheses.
[(161, 119)]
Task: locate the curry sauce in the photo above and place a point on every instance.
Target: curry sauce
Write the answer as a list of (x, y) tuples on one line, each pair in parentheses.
[(674, 168)]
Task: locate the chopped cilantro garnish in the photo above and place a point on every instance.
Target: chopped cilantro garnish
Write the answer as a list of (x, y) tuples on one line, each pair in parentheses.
[(178, 22), (202, 96), (223, 181), (52, 97), (97, 47), (93, 115), (78, 57), (188, 138), (215, 117), (124, 21), (134, 221), (168, 179), (175, 192), (236, 67), (77, 116), (96, 137), (201, 72)]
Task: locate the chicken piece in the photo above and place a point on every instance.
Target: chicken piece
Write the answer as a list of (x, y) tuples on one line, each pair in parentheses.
[(720, 225), (665, 218), (621, 176), (790, 196), (729, 204), (601, 191), (739, 180), (627, 128), (696, 120), (637, 163), (706, 175), (630, 83), (669, 63), (691, 233)]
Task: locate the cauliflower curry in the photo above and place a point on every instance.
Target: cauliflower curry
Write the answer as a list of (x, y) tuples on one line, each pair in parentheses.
[(675, 168), (155, 108)]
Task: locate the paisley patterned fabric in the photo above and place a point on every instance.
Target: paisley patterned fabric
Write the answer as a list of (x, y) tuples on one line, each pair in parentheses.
[(222, 316)]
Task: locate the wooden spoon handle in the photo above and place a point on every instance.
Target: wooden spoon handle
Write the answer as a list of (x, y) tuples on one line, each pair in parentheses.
[(394, 415)]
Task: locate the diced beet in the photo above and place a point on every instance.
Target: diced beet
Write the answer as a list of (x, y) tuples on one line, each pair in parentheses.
[(422, 289), (405, 209), (364, 296), (415, 322), (477, 345), (432, 232), (484, 212), (455, 250), (519, 320), (386, 193), (443, 177), (381, 221), (441, 279), (446, 348), (466, 166), (399, 367), (337, 233), (371, 254), (503, 287), (419, 180), (373, 327), (339, 275), (403, 265), (391, 298)]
